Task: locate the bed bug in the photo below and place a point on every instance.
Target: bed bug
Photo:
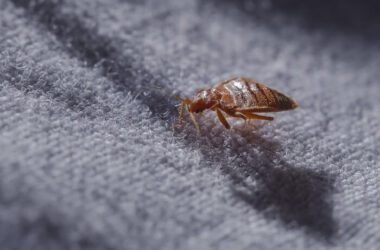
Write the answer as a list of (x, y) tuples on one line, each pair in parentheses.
[(238, 97)]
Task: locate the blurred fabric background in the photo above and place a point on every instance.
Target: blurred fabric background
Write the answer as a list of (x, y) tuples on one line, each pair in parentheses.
[(88, 158)]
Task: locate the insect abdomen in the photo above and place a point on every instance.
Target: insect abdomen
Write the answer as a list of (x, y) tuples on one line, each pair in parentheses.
[(247, 93)]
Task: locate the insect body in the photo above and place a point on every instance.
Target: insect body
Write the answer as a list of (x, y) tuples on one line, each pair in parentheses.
[(237, 97)]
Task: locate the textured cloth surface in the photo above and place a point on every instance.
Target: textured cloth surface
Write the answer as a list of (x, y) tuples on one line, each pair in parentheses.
[(88, 158)]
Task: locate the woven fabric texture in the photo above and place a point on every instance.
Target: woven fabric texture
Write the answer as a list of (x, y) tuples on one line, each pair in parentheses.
[(88, 157)]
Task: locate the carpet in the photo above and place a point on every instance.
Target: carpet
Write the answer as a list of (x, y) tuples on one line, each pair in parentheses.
[(89, 159)]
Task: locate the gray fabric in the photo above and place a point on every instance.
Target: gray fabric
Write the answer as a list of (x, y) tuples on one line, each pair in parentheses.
[(89, 160)]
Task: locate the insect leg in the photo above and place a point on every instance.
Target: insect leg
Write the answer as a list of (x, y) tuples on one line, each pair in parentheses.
[(258, 117), (222, 119), (195, 122), (232, 113), (180, 122), (242, 116)]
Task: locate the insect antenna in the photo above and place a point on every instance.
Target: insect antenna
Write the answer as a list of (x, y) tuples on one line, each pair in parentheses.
[(185, 102), (168, 92)]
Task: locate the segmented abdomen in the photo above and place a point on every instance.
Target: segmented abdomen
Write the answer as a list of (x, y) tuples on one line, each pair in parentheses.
[(247, 93)]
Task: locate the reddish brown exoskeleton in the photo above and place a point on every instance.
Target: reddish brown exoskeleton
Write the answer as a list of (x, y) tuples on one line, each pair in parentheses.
[(237, 97)]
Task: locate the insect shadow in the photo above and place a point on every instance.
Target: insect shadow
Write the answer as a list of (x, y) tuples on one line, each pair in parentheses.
[(296, 195)]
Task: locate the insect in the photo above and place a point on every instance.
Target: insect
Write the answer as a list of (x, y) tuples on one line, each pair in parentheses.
[(238, 97)]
